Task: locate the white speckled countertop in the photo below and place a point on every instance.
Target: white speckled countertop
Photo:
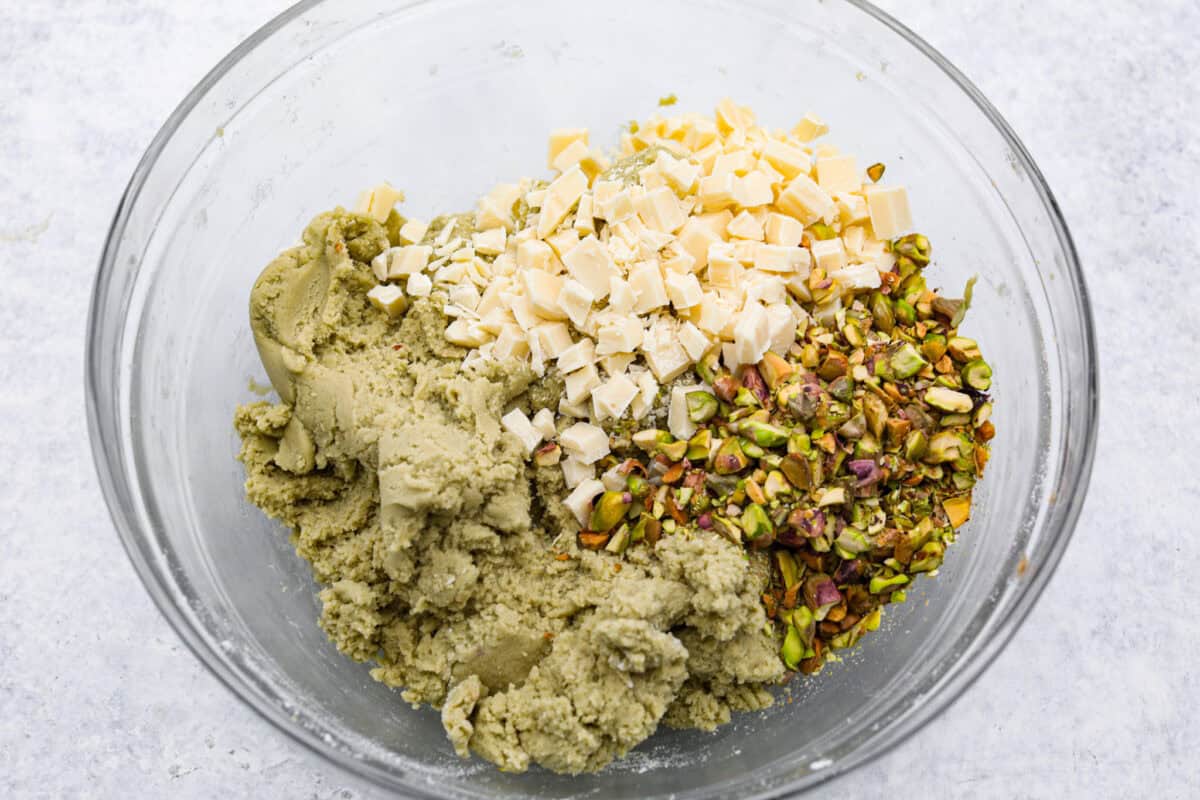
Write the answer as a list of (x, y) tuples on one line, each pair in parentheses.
[(1096, 696)]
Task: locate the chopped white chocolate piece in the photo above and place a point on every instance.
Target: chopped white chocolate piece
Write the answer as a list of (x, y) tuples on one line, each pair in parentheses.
[(838, 174), (490, 242), (543, 423), (857, 276), (696, 238), (516, 423), (619, 336), (579, 501), (580, 383), (543, 290), (561, 139), (716, 191), (419, 285), (777, 258), (561, 195), (679, 423), (810, 128), (789, 160), (585, 218), (693, 340), (536, 254), (584, 441), (751, 334), (615, 364), (684, 290), (678, 261), (577, 356), (409, 260), (664, 354), (890, 214), (511, 343), (649, 291), (781, 328), (753, 190), (575, 300), (377, 203), (388, 298), (575, 472), (590, 264), (413, 231), (570, 155), (806, 201), (647, 392), (620, 296), (746, 226), (830, 254), (553, 338), (852, 208), (465, 295), (715, 315), (611, 399), (660, 210), (783, 230), (464, 334), (680, 175)]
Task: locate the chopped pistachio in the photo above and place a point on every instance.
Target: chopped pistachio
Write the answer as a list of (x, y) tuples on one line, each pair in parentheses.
[(674, 450), (757, 526), (958, 509), (832, 497), (763, 434), (793, 648), (977, 374), (730, 458), (701, 406), (822, 231), (775, 485), (948, 400), (875, 172), (619, 541), (880, 584), (609, 510), (649, 439), (774, 370), (943, 447), (915, 445), (698, 445), (906, 361), (547, 455), (962, 349), (881, 311)]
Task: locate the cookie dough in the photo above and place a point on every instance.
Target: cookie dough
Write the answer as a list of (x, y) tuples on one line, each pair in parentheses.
[(448, 560)]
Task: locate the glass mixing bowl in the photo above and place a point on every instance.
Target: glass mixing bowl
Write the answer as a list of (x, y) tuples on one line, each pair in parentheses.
[(445, 99)]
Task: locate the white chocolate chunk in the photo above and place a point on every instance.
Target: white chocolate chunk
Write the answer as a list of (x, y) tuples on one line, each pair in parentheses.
[(543, 291), (806, 201), (660, 210), (413, 231), (684, 290), (561, 195), (890, 214), (409, 260), (377, 203), (693, 340), (561, 139), (584, 441), (788, 159), (612, 398), (649, 291), (576, 472), (590, 264), (838, 174), (577, 356), (579, 501), (783, 230), (678, 422), (388, 298), (553, 338), (490, 242), (575, 300), (516, 423), (619, 336), (746, 226), (751, 334), (830, 254), (543, 423), (580, 383), (777, 258), (419, 285)]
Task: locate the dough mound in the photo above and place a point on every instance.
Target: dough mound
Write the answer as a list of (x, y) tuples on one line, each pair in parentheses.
[(448, 561)]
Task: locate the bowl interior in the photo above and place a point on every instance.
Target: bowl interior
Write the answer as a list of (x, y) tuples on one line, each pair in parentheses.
[(444, 100)]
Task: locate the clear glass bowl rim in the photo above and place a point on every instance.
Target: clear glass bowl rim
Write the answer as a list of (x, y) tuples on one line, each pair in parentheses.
[(105, 451)]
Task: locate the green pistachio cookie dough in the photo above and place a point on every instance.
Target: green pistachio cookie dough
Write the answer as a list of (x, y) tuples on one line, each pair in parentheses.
[(449, 561)]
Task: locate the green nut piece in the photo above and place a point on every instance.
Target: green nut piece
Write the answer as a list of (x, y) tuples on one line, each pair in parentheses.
[(914, 246), (651, 438), (853, 428), (928, 558), (853, 541), (789, 570), (776, 485), (763, 434), (905, 313), (822, 231), (730, 457), (875, 171), (797, 470), (701, 406), (934, 346), (962, 349), (698, 445), (799, 442), (707, 368), (880, 584), (793, 648), (943, 447), (977, 374), (638, 486), (609, 510), (619, 540), (547, 455), (875, 410), (906, 361), (757, 526), (745, 398), (915, 445), (751, 449), (948, 400), (881, 311), (674, 451)]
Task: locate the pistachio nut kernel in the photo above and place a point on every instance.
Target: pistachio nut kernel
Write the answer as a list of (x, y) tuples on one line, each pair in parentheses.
[(977, 374), (701, 406), (757, 526), (730, 458), (880, 584), (875, 172), (609, 510), (763, 434), (949, 400), (906, 362)]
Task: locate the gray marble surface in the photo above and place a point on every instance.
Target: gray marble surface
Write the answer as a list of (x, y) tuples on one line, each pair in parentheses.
[(1096, 697)]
